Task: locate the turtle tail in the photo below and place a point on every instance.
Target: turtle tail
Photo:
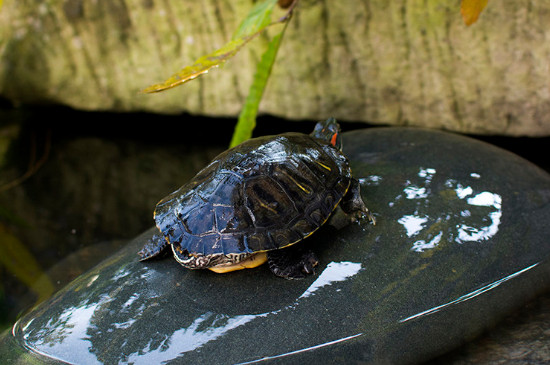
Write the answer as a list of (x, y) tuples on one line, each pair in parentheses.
[(155, 247)]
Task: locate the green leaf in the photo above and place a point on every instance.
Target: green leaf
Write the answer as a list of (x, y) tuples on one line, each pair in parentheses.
[(256, 21), (200, 66), (247, 117)]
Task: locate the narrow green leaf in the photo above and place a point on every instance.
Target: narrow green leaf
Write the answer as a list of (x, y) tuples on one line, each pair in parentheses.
[(256, 21), (247, 117), (200, 66), (18, 261)]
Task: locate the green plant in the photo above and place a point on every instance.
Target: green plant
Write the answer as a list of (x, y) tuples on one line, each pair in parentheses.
[(257, 20)]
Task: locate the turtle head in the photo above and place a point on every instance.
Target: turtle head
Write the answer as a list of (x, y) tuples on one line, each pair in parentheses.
[(329, 131)]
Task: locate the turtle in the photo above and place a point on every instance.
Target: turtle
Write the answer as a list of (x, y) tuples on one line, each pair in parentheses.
[(256, 202)]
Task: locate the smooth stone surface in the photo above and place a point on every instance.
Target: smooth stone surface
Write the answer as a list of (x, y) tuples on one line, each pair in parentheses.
[(458, 244), (521, 338)]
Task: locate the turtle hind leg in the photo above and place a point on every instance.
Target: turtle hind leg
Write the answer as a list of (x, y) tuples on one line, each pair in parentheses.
[(155, 247), (294, 262), (352, 204)]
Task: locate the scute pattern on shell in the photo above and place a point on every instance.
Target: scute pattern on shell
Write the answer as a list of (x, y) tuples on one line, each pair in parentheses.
[(264, 194)]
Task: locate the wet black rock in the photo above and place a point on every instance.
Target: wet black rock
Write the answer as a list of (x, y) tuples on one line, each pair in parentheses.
[(457, 246)]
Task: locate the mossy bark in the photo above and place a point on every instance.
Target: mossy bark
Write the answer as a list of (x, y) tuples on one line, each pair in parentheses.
[(401, 62)]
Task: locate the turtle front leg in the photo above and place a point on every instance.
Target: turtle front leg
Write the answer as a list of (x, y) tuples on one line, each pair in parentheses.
[(352, 204), (294, 262)]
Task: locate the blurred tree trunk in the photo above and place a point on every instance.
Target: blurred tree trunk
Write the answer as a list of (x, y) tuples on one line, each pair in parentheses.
[(391, 62)]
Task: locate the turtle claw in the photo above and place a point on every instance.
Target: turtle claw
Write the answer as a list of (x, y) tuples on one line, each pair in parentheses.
[(309, 261), (362, 215), (292, 262)]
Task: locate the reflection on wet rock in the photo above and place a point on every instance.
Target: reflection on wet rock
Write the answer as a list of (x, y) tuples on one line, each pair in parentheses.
[(457, 246), (471, 215)]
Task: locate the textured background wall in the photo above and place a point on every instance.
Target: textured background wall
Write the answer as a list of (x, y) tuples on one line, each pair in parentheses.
[(402, 62)]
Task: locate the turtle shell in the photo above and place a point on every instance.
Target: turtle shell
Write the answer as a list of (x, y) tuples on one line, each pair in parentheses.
[(264, 194)]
